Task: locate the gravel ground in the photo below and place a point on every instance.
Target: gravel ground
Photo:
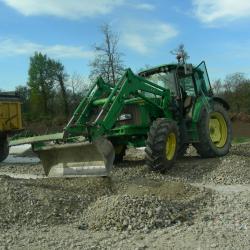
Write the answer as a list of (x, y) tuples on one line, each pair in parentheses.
[(199, 204)]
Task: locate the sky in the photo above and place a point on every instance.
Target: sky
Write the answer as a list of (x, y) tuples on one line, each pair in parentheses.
[(216, 31)]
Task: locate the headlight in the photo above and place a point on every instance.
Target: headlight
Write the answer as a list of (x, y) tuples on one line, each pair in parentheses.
[(124, 117)]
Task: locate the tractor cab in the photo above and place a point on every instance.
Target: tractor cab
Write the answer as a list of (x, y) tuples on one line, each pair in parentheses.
[(181, 80), (194, 82), (185, 82)]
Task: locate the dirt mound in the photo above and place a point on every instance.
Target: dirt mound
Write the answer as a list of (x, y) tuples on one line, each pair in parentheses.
[(142, 208)]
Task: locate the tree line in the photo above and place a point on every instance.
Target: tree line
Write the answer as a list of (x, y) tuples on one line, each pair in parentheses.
[(235, 89), (52, 93)]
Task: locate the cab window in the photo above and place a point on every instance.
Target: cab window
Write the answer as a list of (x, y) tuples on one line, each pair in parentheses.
[(187, 85), (165, 80)]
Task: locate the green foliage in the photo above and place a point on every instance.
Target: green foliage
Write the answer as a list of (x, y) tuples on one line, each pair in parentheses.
[(45, 76), (241, 140), (50, 96), (40, 83), (24, 93)]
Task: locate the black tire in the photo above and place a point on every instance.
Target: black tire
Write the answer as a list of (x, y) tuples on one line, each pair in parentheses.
[(156, 145), (4, 149), (207, 148), (120, 151)]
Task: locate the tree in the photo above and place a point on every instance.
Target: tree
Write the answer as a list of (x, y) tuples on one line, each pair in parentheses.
[(77, 89), (45, 74), (217, 86), (60, 77), (237, 92), (181, 54), (40, 83), (24, 93), (107, 61), (77, 84)]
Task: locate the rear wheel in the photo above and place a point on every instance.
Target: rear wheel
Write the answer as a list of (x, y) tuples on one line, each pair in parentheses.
[(4, 149), (162, 145), (215, 133)]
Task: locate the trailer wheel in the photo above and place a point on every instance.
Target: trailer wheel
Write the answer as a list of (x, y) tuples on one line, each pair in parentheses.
[(162, 145), (215, 133), (4, 149)]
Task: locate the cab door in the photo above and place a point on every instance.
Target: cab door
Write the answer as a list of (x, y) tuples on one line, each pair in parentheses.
[(202, 80)]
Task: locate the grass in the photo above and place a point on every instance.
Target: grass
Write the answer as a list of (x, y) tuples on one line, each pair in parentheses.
[(241, 139)]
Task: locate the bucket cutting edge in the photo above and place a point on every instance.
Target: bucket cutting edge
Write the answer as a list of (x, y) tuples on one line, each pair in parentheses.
[(78, 159)]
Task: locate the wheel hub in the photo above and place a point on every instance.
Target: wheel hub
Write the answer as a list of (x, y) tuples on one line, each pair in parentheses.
[(170, 146), (218, 129)]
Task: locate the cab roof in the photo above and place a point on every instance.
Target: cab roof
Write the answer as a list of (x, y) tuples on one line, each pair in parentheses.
[(159, 68)]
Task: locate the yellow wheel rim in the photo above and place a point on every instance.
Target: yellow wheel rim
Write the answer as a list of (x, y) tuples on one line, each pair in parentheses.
[(170, 146), (218, 129)]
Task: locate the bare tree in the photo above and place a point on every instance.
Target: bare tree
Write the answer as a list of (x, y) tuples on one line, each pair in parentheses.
[(237, 91), (107, 62), (181, 54), (217, 86), (77, 84)]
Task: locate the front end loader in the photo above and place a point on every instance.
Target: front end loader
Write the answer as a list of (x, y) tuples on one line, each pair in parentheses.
[(164, 109)]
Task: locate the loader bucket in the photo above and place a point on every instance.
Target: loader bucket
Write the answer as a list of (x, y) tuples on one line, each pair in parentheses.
[(78, 159)]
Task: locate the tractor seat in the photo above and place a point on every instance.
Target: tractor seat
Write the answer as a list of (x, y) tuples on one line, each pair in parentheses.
[(188, 102), (188, 107)]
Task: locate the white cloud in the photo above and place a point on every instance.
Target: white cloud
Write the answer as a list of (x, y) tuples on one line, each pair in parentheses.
[(212, 11), (144, 6), (9, 47), (72, 9), (143, 37)]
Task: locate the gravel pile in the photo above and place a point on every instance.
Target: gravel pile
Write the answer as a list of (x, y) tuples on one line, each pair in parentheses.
[(124, 212), (145, 207), (231, 169), (46, 201), (32, 168), (198, 204)]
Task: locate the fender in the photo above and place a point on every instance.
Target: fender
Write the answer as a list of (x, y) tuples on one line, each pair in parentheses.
[(221, 101), (199, 106)]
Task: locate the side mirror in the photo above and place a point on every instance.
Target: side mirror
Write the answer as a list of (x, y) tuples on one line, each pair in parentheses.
[(188, 69)]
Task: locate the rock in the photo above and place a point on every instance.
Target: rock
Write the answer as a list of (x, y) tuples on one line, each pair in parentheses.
[(82, 227)]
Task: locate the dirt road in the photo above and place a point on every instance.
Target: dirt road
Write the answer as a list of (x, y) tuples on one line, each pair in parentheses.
[(199, 204)]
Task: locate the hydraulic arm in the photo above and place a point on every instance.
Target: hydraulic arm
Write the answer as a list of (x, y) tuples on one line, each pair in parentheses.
[(128, 86)]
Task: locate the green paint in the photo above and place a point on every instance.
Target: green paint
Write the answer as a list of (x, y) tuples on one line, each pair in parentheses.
[(98, 113)]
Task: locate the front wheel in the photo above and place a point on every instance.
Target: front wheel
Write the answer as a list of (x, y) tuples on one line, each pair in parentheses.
[(162, 145), (4, 149), (215, 133)]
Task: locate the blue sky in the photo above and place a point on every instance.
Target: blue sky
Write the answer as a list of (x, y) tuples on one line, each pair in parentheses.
[(216, 31)]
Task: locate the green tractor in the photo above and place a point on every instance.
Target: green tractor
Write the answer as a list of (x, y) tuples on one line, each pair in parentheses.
[(164, 109)]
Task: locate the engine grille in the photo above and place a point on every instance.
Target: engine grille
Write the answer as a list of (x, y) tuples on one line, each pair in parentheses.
[(128, 109)]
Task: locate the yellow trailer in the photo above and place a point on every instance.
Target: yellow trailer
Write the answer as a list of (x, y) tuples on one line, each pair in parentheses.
[(10, 120)]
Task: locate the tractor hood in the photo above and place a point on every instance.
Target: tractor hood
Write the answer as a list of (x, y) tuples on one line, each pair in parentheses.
[(137, 100)]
